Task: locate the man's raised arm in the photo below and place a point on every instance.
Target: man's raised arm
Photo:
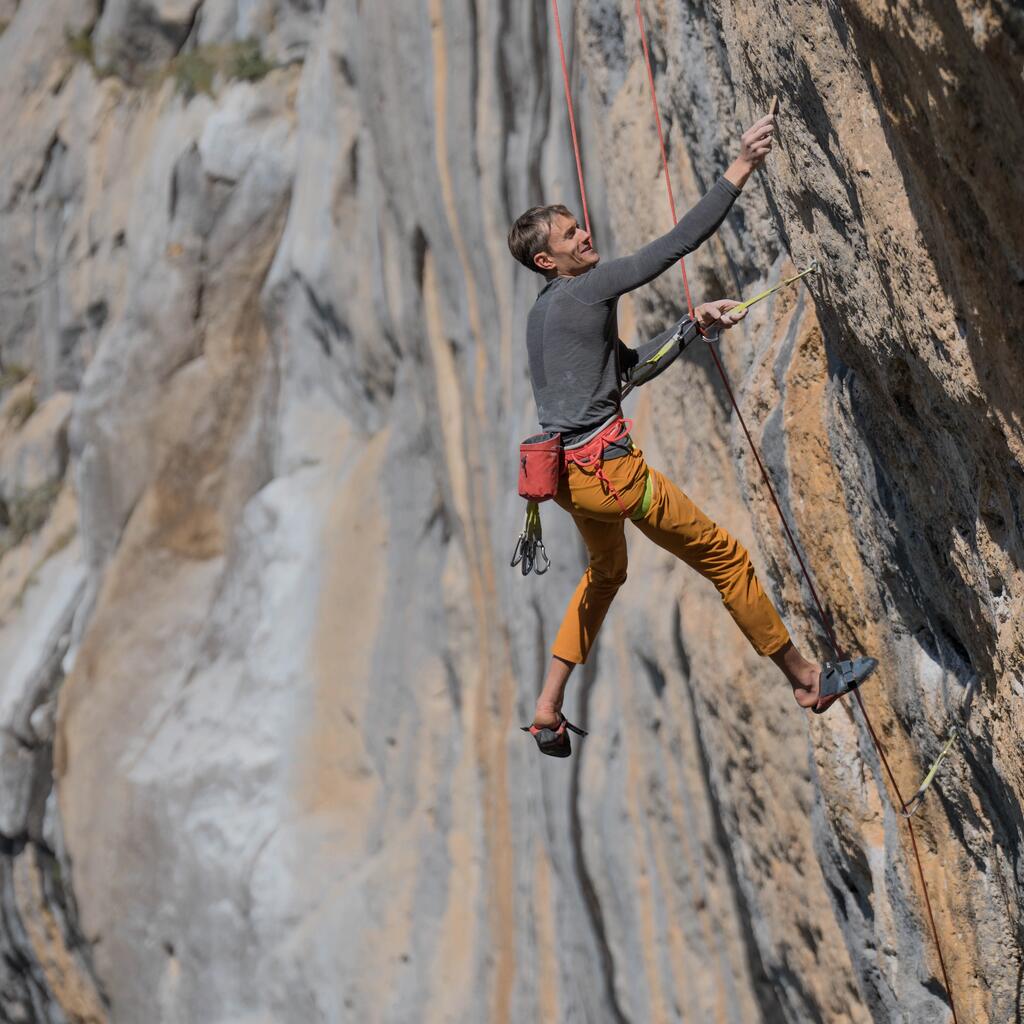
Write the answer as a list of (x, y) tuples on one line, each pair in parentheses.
[(609, 280)]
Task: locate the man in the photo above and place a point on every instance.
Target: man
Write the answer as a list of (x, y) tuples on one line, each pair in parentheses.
[(577, 367)]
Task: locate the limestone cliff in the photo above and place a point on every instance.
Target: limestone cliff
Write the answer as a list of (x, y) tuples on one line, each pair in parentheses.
[(262, 658)]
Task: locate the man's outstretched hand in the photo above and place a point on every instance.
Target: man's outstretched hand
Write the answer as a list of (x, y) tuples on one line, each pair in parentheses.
[(756, 141), (755, 145), (716, 314)]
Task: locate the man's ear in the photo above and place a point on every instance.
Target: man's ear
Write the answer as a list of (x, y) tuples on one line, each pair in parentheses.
[(544, 261)]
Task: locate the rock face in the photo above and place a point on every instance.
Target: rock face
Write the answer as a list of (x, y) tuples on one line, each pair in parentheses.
[(262, 656)]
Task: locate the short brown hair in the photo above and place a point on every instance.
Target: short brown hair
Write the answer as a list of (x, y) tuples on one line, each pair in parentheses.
[(530, 233)]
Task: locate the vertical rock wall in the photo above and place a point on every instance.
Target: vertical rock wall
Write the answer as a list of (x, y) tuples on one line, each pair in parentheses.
[(262, 656)]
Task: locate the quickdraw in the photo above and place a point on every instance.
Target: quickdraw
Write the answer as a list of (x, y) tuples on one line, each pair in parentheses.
[(529, 552), (812, 268), (957, 730), (711, 334)]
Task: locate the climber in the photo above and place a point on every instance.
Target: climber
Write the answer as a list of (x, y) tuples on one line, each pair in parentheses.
[(577, 367)]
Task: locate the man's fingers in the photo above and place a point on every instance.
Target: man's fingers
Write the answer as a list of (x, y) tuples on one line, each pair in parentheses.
[(766, 123), (758, 140), (720, 312), (728, 314), (725, 312)]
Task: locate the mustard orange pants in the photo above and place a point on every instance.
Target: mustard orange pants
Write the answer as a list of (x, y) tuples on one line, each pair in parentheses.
[(673, 522)]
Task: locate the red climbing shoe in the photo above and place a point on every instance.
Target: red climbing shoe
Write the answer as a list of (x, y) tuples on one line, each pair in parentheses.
[(554, 742), (841, 677)]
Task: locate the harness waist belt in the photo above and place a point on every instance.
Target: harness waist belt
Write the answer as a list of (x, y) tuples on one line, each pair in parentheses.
[(590, 454)]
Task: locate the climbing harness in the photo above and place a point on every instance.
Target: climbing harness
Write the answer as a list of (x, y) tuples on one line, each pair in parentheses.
[(906, 810), (590, 455)]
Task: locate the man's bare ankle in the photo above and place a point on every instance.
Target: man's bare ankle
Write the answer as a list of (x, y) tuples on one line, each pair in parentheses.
[(547, 712)]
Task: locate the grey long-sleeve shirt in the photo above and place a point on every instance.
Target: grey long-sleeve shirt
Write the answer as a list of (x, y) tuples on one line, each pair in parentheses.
[(572, 333)]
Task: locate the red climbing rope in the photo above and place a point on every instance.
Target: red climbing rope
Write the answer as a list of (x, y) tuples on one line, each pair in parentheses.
[(792, 542), (661, 142), (572, 118)]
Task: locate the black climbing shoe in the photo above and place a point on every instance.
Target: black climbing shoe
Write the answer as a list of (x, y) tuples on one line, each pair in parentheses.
[(554, 742), (841, 677)]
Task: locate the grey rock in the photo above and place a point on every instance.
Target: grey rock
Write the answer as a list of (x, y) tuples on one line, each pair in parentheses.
[(17, 772), (37, 455), (136, 36)]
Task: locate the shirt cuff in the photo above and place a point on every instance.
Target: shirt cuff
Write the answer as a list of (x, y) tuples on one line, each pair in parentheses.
[(729, 186)]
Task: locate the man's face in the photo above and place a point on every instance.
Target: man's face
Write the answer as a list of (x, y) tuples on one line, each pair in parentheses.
[(569, 251)]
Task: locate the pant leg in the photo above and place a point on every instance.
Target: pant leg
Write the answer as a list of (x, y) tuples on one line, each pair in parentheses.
[(599, 520), (606, 542), (675, 523)]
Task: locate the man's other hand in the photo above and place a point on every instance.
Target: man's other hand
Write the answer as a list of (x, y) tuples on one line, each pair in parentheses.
[(716, 314)]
